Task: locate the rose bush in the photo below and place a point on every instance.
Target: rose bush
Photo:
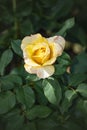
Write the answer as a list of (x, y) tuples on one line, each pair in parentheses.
[(40, 53), (31, 103)]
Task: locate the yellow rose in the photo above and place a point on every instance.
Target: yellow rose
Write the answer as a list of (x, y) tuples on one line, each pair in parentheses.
[(40, 53)]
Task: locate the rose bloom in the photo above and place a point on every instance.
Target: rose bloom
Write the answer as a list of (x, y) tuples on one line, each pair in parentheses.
[(40, 53)]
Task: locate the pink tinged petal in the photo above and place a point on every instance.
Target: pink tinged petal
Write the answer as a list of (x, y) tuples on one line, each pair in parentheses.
[(60, 40), (57, 39), (45, 72), (59, 44), (28, 40), (42, 72), (51, 39), (58, 49)]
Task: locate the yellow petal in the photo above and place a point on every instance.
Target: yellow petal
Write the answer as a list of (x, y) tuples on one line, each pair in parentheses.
[(29, 39), (45, 72), (39, 53), (30, 69), (30, 62), (50, 61), (31, 48), (36, 52)]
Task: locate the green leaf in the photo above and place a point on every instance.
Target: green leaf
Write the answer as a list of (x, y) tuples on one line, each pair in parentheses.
[(67, 25), (70, 94), (62, 63), (12, 113), (16, 46), (59, 69), (81, 108), (13, 119), (9, 82), (48, 124), (7, 102), (19, 70), (52, 91), (40, 94), (15, 122), (5, 60), (82, 89), (64, 59), (38, 111), (64, 106), (32, 77), (76, 79), (25, 96), (49, 92)]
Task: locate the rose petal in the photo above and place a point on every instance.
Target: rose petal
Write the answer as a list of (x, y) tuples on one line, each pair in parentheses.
[(57, 39), (45, 72), (50, 62), (30, 69), (30, 49), (58, 44), (42, 72), (30, 62), (60, 40), (43, 53), (34, 59), (29, 39)]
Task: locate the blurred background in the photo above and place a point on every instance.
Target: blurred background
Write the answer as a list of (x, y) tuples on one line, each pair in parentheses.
[(19, 18)]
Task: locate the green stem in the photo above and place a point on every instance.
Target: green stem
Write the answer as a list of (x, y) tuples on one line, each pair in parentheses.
[(15, 18)]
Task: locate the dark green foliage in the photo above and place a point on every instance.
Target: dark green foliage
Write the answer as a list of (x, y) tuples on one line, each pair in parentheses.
[(16, 46), (5, 60), (52, 91), (25, 96), (7, 101)]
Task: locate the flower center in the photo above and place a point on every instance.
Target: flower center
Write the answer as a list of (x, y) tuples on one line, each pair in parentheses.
[(40, 55)]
